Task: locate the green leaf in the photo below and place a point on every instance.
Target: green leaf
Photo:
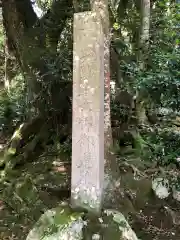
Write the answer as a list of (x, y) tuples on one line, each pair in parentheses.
[(116, 26)]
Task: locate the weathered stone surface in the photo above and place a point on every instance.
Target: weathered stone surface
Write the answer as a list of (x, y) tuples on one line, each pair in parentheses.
[(61, 224), (58, 224), (88, 112), (176, 195), (161, 187), (111, 225), (116, 226)]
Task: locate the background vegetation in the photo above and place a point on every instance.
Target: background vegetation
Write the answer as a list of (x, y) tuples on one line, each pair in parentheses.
[(36, 90)]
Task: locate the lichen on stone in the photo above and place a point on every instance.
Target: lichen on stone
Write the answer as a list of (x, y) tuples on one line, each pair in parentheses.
[(59, 223)]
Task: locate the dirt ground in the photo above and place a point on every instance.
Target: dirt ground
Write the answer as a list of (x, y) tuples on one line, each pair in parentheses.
[(151, 218), (152, 223)]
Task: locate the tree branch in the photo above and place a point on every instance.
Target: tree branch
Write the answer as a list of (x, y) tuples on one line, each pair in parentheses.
[(53, 22), (26, 12), (31, 52)]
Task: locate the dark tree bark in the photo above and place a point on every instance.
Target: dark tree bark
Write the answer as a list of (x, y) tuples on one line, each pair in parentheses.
[(142, 55), (110, 165), (27, 40), (54, 21)]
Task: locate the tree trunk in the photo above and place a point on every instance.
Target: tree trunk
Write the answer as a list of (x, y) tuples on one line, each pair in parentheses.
[(111, 167), (26, 39), (7, 78), (142, 56), (144, 33), (8, 68)]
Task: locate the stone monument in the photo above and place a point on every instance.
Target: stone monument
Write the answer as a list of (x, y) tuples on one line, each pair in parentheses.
[(91, 118), (88, 113)]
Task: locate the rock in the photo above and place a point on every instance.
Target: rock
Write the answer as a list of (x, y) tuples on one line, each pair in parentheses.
[(116, 226), (23, 197), (164, 111), (58, 223), (111, 225), (161, 187), (62, 224), (174, 215), (176, 194)]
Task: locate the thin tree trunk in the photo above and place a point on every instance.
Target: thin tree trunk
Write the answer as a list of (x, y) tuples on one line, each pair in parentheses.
[(111, 168), (144, 33), (7, 67), (6, 77), (142, 56)]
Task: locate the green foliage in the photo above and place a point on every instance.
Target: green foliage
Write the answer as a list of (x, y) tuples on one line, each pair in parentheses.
[(162, 77), (44, 4), (1, 37), (160, 81), (13, 107), (66, 147), (164, 146)]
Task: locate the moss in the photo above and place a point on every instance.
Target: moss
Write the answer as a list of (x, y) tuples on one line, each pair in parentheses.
[(56, 221), (23, 197), (139, 143), (111, 225)]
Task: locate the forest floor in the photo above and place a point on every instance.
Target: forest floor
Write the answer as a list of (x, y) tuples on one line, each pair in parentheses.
[(146, 214), (152, 223)]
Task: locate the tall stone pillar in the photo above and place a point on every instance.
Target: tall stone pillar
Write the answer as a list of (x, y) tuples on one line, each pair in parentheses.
[(88, 113)]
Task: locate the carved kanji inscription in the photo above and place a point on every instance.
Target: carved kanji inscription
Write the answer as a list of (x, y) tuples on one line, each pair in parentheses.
[(88, 111)]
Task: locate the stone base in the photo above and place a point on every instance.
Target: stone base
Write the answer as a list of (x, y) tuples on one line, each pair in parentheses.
[(61, 223)]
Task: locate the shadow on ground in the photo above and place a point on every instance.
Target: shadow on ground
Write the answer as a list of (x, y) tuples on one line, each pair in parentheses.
[(47, 183)]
